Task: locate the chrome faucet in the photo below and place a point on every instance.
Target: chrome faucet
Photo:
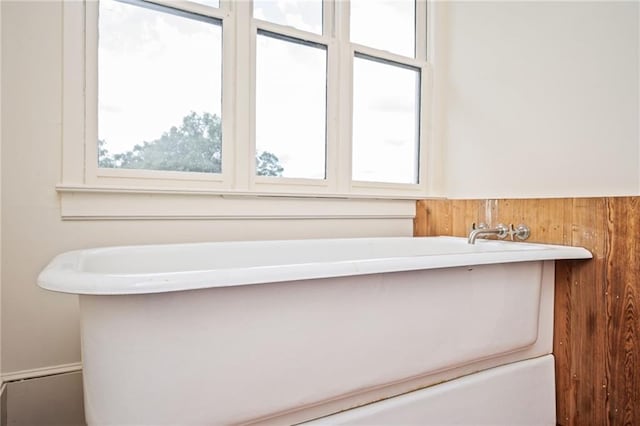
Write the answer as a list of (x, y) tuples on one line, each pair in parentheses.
[(501, 231)]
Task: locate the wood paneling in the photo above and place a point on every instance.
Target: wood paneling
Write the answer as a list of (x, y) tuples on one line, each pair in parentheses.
[(622, 290), (597, 318), (587, 341)]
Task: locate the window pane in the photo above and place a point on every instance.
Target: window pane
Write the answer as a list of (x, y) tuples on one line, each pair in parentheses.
[(305, 15), (384, 24), (290, 108), (385, 122), (159, 89)]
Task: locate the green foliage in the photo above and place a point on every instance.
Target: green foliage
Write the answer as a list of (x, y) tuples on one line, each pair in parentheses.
[(267, 164), (104, 159), (195, 146)]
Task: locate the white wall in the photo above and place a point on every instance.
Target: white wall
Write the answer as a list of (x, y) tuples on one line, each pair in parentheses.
[(537, 99), (39, 328)]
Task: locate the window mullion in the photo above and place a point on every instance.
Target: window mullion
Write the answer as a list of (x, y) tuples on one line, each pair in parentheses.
[(329, 24), (421, 30), (328, 18), (244, 95), (333, 119), (229, 82), (344, 87)]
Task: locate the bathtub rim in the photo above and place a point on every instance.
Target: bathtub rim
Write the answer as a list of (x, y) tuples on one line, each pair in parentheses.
[(62, 274)]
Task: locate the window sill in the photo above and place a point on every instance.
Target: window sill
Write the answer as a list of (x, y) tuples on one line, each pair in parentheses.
[(81, 202)]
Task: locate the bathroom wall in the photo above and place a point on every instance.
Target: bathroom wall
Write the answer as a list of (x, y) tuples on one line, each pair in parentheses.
[(537, 99), (40, 330), (597, 323)]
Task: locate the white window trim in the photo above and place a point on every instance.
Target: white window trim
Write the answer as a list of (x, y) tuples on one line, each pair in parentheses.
[(88, 192)]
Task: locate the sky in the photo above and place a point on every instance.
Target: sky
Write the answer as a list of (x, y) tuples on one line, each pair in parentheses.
[(155, 68)]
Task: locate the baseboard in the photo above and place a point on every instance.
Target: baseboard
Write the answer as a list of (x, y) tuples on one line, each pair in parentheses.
[(41, 372), (44, 396), (26, 396)]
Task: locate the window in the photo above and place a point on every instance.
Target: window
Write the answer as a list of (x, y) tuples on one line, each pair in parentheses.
[(296, 98), (394, 107), (159, 89), (291, 93)]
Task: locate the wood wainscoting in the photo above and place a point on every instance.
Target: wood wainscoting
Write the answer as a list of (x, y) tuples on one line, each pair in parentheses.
[(597, 302)]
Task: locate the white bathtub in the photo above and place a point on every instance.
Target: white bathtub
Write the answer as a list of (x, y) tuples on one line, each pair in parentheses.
[(286, 331)]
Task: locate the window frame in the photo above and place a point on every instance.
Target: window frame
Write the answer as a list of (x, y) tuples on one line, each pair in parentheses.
[(80, 171), (269, 184), (95, 175)]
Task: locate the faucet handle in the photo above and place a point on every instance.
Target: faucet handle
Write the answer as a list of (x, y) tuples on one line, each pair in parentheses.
[(503, 231), (480, 225), (521, 232)]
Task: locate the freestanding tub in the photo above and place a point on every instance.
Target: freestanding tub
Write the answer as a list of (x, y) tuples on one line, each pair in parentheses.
[(288, 331)]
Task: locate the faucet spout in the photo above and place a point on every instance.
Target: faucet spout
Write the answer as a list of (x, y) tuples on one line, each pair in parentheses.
[(501, 231)]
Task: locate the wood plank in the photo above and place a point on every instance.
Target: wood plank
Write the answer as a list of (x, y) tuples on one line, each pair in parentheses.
[(460, 216), (420, 221), (565, 400), (512, 212), (439, 218), (622, 305), (548, 220), (466, 213), (554, 225), (586, 310)]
